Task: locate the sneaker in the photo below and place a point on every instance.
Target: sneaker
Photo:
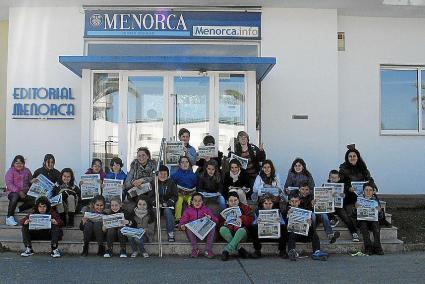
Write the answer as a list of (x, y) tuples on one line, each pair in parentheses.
[(171, 238), (292, 255), (55, 253), (123, 254), (319, 255), (145, 255), (209, 254), (195, 253), (134, 254), (355, 237), (243, 253), (28, 252), (108, 254), (333, 237), (256, 254), (334, 222), (225, 255), (10, 221)]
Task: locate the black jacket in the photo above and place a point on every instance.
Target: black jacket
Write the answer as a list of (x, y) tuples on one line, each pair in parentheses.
[(53, 175), (349, 173), (243, 181)]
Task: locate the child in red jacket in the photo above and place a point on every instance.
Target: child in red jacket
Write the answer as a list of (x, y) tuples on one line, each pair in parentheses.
[(236, 231), (42, 206), (196, 211)]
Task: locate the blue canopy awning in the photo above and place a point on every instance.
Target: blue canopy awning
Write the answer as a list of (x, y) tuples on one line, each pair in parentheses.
[(262, 65)]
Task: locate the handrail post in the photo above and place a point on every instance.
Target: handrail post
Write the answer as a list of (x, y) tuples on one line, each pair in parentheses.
[(158, 205)]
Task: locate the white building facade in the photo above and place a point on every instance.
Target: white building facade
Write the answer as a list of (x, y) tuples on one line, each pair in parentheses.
[(294, 90)]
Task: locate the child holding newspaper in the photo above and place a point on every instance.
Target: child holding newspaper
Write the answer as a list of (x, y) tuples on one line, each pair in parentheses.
[(42, 206), (96, 169), (294, 202), (113, 234), (210, 182), (186, 181), (70, 196), (366, 226), (117, 173), (307, 202), (267, 178), (196, 211), (236, 230), (143, 217), (266, 203), (92, 227)]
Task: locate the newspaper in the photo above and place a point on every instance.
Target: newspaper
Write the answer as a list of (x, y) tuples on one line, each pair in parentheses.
[(338, 193), (323, 200), (112, 188), (293, 188), (56, 200), (113, 220), (133, 232), (207, 152), (201, 227), (268, 224), (231, 214), (358, 187), (209, 194), (173, 152), (367, 209), (42, 187), (40, 222), (143, 188), (186, 190), (94, 217), (243, 161), (275, 191), (91, 186), (298, 221), (246, 189)]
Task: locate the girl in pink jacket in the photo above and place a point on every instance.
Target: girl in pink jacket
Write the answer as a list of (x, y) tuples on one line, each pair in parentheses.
[(196, 211), (18, 179)]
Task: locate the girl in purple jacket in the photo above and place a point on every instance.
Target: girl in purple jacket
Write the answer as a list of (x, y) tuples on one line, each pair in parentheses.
[(17, 179), (196, 211)]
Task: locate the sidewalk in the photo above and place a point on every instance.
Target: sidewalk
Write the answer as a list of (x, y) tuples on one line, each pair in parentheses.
[(390, 268)]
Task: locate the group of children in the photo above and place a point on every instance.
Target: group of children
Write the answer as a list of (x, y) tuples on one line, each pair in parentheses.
[(222, 181)]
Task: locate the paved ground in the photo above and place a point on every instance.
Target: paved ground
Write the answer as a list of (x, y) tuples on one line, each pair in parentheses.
[(394, 268)]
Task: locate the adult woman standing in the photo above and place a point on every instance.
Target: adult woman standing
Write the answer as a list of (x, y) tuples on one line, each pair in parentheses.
[(254, 154)]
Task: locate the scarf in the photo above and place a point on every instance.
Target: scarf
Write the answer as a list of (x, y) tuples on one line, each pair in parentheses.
[(236, 176), (140, 213)]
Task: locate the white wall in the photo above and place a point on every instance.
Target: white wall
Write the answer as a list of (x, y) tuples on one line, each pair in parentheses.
[(37, 36), (303, 81), (3, 92), (396, 162)]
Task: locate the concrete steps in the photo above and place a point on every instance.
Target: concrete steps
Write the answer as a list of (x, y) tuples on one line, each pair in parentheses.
[(184, 248)]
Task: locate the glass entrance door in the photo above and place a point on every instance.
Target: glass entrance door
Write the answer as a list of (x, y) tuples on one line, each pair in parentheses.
[(191, 101)]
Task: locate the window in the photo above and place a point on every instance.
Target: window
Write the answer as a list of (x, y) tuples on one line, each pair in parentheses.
[(402, 101)]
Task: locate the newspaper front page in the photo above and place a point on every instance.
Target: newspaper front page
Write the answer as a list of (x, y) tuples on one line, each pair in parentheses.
[(358, 187), (275, 191), (298, 221), (207, 152), (94, 217), (91, 186), (231, 215), (143, 188), (40, 222), (42, 187), (268, 224), (367, 209), (133, 232), (186, 190), (201, 227), (112, 188), (173, 152), (56, 200), (338, 193), (243, 161), (323, 200), (113, 220)]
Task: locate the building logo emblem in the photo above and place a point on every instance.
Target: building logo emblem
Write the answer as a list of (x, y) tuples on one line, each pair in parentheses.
[(96, 20)]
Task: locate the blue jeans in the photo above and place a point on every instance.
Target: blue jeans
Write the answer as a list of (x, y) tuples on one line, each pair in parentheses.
[(137, 244), (325, 221), (220, 200), (169, 217)]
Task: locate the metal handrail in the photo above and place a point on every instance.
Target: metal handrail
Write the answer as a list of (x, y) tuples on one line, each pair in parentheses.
[(158, 212)]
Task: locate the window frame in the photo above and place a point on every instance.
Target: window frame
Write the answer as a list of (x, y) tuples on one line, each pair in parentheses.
[(394, 132)]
